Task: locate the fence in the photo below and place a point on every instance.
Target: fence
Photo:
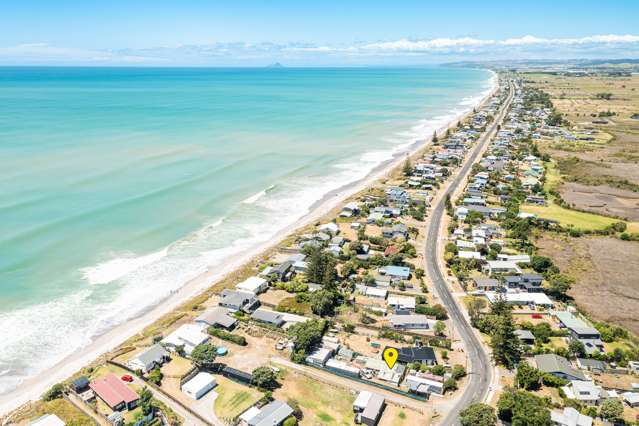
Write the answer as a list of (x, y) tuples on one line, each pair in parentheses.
[(368, 382)]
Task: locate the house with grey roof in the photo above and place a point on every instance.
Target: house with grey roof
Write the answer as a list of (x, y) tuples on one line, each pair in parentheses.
[(558, 366), (412, 321), (272, 414), (268, 317), (569, 417), (525, 336), (216, 317), (238, 300), (368, 407), (149, 359)]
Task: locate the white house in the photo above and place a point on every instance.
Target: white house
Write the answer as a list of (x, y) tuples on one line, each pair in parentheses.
[(401, 302), (199, 385), (569, 417), (48, 420), (188, 336), (254, 285), (149, 359), (501, 267)]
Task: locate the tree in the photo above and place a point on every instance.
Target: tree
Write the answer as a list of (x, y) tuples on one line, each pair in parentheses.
[(408, 168), (146, 401), (450, 384), (611, 409), (321, 269), (305, 335), (540, 263), (576, 348), (458, 371), (504, 341), (542, 332), (527, 377), (559, 285), (56, 391), (438, 370), (264, 378), (521, 408), (478, 415), (155, 376), (323, 301), (434, 137), (203, 356), (440, 327)]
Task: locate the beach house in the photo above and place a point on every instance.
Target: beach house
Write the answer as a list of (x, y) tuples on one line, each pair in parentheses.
[(114, 393), (149, 359)]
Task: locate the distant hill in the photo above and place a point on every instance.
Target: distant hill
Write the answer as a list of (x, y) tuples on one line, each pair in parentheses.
[(275, 65)]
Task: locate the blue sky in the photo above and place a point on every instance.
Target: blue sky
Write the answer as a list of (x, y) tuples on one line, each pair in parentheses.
[(218, 32)]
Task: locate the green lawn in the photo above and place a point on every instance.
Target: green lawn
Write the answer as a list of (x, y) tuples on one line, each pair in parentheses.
[(233, 398), (567, 217)]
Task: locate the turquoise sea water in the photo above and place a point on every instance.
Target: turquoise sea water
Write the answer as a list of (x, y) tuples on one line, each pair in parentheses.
[(117, 185)]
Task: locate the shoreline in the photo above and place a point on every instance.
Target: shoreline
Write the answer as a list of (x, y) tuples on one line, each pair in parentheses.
[(33, 387)]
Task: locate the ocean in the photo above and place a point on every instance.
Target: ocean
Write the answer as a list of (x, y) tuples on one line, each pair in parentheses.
[(118, 185)]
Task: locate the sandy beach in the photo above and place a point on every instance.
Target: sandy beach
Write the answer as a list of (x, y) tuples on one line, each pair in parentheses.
[(35, 386)]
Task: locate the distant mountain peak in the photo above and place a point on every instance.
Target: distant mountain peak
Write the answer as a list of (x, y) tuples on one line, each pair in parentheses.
[(275, 65)]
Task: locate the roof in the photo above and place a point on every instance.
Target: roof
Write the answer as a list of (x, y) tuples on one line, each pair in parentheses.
[(112, 391), (525, 334), (362, 399), (486, 282), (270, 317), (252, 284), (271, 414), (48, 420), (551, 363), (412, 354), (404, 301), (570, 417), (217, 316), (234, 372), (408, 319), (374, 406), (396, 271), (574, 323), (524, 298), (154, 353), (189, 334), (200, 381), (631, 397)]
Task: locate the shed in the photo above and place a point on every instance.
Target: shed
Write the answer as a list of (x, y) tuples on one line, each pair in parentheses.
[(199, 385)]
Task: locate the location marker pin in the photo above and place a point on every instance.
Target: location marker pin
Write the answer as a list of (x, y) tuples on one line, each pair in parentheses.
[(390, 356)]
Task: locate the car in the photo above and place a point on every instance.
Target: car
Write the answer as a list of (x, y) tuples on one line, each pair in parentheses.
[(536, 316), (127, 378)]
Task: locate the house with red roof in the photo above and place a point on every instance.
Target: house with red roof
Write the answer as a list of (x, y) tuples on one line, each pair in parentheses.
[(114, 393)]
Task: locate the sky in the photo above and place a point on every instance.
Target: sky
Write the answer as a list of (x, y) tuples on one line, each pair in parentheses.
[(307, 33)]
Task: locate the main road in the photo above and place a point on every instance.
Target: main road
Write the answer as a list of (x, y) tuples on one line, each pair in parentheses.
[(481, 368)]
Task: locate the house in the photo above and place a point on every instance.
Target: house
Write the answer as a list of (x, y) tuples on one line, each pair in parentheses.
[(501, 267), (375, 292), (631, 398), (80, 385), (342, 367), (254, 285), (569, 417), (469, 255), (413, 321), (579, 330), (583, 391), (319, 356), (199, 385), (330, 228), (216, 317), (114, 393), (591, 364), (423, 355), (535, 299), (48, 420), (272, 414), (149, 359), (424, 385), (633, 366), (238, 300), (558, 366), (268, 317), (525, 337), (187, 336), (395, 272), (368, 407), (487, 284), (516, 258), (402, 302)]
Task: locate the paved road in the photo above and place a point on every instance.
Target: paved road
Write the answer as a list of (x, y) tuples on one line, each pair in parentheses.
[(481, 367)]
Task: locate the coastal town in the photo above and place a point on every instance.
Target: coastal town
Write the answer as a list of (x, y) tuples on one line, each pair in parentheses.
[(298, 336)]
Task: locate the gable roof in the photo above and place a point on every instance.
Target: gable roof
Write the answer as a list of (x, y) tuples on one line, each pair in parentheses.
[(273, 413), (217, 316), (112, 391), (551, 363)]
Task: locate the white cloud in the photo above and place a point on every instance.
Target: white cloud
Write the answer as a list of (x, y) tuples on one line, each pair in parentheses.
[(240, 52)]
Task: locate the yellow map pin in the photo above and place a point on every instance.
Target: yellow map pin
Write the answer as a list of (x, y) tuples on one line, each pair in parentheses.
[(390, 356)]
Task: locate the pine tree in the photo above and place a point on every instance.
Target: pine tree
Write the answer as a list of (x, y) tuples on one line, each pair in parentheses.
[(408, 168), (434, 137), (504, 341)]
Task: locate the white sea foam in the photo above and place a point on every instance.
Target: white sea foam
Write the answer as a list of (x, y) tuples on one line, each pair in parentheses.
[(253, 198), (118, 267)]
